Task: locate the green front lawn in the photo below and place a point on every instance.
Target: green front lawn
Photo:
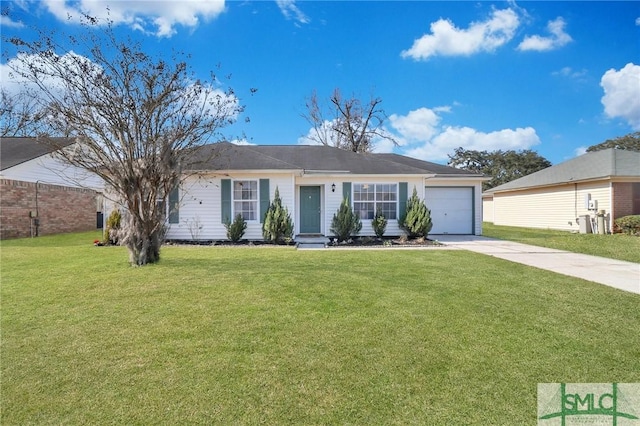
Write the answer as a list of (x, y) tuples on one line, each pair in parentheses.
[(275, 335), (616, 246)]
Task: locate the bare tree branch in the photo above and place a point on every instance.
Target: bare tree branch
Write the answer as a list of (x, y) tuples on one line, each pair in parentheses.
[(136, 118), (353, 126)]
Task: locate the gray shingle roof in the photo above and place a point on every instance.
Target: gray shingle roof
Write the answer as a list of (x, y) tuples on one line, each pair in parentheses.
[(312, 158), (14, 151), (590, 166)]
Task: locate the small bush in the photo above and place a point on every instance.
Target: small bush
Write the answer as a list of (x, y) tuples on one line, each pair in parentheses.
[(114, 222), (379, 224), (630, 225), (278, 226), (235, 229), (345, 222), (416, 220)]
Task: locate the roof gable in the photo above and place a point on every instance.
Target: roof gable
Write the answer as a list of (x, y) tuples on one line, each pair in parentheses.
[(590, 166), (14, 151)]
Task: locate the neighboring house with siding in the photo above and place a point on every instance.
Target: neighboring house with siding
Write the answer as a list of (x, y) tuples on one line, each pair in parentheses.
[(557, 196), (41, 195), (224, 180)]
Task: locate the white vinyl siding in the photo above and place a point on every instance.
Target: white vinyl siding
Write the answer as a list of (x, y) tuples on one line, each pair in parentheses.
[(555, 207), (200, 206), (200, 201), (52, 171), (487, 208)]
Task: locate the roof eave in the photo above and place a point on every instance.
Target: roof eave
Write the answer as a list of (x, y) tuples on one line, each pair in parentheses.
[(548, 185)]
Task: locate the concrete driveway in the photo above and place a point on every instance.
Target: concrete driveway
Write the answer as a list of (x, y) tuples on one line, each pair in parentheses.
[(614, 273)]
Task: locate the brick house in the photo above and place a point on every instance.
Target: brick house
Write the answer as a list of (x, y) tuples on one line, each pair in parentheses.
[(40, 195)]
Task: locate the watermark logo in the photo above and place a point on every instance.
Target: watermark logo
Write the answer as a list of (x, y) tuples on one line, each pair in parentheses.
[(568, 404)]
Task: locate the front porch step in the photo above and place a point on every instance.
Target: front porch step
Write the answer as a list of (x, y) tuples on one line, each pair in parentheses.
[(311, 242)]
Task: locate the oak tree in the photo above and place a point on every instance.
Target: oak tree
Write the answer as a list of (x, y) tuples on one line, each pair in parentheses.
[(500, 166), (630, 142)]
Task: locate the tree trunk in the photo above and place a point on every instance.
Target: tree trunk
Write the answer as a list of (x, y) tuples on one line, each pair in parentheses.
[(143, 236)]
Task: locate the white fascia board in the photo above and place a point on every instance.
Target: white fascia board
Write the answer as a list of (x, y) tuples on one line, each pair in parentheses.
[(298, 172)]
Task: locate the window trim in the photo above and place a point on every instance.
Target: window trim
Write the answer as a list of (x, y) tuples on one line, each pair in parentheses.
[(376, 202), (256, 200)]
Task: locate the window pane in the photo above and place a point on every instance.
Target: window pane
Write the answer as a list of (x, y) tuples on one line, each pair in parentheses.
[(245, 190), (245, 199), (246, 209), (388, 210), (364, 210), (363, 192)]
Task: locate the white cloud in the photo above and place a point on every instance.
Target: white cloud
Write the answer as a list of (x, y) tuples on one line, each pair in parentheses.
[(243, 142), (383, 146), (313, 137), (153, 17), (291, 11), (622, 94), (420, 134), (447, 40), (13, 82), (418, 125), (453, 137), (571, 73), (638, 21), (580, 151), (206, 98), (558, 38), (5, 21)]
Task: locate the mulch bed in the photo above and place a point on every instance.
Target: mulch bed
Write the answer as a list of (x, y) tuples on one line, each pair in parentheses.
[(362, 242), (224, 243), (383, 242)]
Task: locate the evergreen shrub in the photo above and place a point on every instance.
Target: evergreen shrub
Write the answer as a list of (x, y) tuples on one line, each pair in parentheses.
[(278, 226), (416, 220), (345, 222), (235, 229)]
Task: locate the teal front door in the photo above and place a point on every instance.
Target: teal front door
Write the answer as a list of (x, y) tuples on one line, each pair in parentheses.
[(309, 209)]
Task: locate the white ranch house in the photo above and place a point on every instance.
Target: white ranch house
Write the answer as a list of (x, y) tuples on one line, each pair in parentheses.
[(225, 180)]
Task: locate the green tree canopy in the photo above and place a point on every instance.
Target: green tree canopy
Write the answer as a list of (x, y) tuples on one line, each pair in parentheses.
[(630, 142), (500, 166)]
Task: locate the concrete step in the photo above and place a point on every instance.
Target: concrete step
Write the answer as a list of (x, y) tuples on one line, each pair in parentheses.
[(311, 242)]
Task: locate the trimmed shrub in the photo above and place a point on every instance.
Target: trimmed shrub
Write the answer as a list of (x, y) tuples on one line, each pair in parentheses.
[(379, 223), (113, 225), (630, 225), (345, 222), (416, 220), (235, 229), (278, 226)]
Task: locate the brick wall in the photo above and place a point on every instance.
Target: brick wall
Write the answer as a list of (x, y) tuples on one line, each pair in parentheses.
[(60, 209), (622, 199)]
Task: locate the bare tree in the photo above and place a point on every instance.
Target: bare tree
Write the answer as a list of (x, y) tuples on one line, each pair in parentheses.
[(353, 125), (136, 119), (19, 115)]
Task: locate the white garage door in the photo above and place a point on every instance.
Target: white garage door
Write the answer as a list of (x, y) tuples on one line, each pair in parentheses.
[(451, 210)]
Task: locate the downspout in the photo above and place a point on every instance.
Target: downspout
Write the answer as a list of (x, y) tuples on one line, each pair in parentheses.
[(36, 220), (575, 201), (611, 198)]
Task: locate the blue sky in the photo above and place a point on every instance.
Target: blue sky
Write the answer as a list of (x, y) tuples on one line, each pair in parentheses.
[(555, 77)]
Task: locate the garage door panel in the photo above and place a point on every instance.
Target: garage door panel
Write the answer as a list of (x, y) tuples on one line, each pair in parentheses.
[(451, 209)]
